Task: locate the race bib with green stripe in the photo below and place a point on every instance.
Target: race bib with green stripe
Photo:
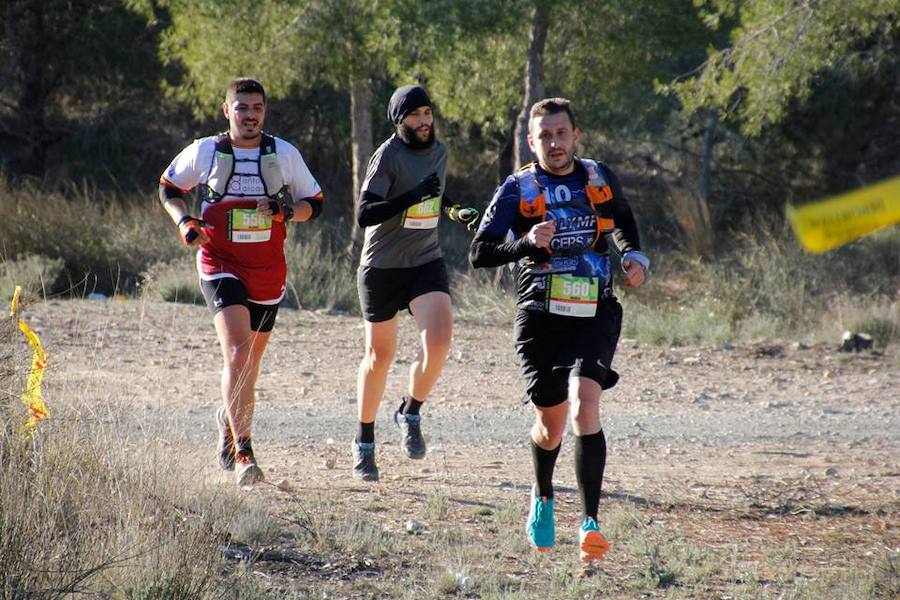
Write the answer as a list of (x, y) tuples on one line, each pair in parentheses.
[(245, 225), (424, 215), (573, 296)]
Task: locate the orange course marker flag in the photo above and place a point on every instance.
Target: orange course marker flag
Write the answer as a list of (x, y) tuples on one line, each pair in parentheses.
[(32, 397), (822, 226)]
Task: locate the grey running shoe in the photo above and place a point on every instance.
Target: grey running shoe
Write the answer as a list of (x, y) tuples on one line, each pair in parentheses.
[(364, 466), (246, 471), (225, 448), (411, 439)]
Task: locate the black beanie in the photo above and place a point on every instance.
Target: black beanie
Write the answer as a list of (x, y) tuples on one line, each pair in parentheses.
[(405, 100)]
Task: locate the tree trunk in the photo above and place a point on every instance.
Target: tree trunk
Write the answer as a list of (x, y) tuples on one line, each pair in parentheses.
[(362, 146), (27, 36), (505, 158), (534, 78), (703, 216)]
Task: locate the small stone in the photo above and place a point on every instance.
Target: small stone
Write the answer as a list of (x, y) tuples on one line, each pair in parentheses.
[(284, 485), (414, 527)]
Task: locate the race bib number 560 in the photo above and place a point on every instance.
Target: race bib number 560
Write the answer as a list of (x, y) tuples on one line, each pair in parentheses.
[(574, 296)]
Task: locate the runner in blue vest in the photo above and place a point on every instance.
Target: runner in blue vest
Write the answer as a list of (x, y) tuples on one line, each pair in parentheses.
[(561, 212)]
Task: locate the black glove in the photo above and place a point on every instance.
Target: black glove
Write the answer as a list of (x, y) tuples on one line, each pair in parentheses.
[(429, 187), (281, 212), (282, 206), (466, 216), (190, 228)]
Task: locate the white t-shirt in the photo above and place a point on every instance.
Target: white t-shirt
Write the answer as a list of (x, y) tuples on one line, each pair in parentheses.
[(241, 244), (193, 164)]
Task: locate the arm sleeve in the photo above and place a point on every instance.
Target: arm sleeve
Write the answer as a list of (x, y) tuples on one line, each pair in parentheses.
[(372, 209), (490, 248), (167, 192), (489, 251)]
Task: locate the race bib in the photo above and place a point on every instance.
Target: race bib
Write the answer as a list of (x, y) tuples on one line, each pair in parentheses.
[(245, 225), (423, 215), (574, 296)]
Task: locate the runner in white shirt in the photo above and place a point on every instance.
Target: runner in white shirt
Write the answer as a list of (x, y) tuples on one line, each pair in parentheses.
[(251, 183)]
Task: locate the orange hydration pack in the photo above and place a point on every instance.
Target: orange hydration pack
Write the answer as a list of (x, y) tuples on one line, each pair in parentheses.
[(533, 201)]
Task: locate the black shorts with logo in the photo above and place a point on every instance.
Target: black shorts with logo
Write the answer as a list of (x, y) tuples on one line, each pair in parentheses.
[(384, 292), (552, 348), (228, 291)]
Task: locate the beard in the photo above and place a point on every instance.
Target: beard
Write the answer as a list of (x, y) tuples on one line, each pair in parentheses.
[(254, 131), (411, 139)]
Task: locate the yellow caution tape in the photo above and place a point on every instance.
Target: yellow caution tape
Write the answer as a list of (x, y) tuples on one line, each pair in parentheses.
[(32, 397), (824, 225)]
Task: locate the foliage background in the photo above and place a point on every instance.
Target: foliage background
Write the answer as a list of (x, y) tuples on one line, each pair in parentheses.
[(715, 114)]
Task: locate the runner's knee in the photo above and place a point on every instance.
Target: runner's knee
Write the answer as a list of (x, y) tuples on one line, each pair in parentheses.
[(549, 432), (238, 356), (437, 340), (379, 355)]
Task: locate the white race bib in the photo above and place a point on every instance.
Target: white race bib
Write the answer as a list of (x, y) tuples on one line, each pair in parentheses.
[(574, 296), (245, 225), (424, 215)]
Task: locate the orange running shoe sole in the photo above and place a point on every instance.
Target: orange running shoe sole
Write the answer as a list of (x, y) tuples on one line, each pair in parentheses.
[(594, 546)]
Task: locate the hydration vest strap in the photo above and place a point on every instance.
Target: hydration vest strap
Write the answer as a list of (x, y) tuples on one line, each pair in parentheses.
[(599, 193), (221, 169), (532, 200), (269, 171)]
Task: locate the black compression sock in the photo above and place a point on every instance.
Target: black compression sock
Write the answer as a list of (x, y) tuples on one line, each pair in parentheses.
[(544, 461), (410, 406), (365, 433), (590, 462)]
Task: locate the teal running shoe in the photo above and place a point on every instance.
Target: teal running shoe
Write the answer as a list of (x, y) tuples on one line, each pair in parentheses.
[(593, 545), (540, 522), (364, 467)]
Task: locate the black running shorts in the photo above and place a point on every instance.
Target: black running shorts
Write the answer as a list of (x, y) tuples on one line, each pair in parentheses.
[(228, 291), (552, 348), (384, 292)]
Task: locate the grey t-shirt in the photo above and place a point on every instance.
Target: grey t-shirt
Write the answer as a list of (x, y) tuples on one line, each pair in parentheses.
[(408, 239)]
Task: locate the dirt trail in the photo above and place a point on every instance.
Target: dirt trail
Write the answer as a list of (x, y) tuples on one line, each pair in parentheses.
[(726, 445)]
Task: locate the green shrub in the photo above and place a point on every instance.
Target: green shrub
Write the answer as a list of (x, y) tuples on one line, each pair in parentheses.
[(173, 281), (34, 273), (320, 272), (105, 241)]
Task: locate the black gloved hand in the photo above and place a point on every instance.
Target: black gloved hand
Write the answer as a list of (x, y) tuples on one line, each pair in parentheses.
[(281, 212), (191, 228), (429, 187)]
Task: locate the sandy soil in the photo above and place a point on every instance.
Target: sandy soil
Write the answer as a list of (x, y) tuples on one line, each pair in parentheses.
[(732, 448)]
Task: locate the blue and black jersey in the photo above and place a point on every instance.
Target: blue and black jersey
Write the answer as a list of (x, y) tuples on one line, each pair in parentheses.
[(579, 253)]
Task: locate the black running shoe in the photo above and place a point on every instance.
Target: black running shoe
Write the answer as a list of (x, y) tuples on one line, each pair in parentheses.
[(226, 440), (364, 466), (411, 439)]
